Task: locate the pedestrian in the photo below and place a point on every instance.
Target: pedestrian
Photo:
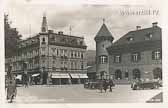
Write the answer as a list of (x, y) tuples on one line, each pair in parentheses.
[(111, 84), (105, 85), (11, 86), (101, 85)]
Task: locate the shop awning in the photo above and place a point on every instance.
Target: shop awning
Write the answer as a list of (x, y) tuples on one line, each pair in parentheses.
[(74, 75), (64, 75), (83, 76), (60, 75), (34, 75), (55, 75), (19, 77)]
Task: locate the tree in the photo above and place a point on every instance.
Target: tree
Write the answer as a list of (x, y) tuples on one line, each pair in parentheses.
[(12, 37)]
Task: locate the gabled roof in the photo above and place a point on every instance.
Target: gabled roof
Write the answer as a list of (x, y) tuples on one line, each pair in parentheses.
[(140, 35), (140, 41), (104, 32)]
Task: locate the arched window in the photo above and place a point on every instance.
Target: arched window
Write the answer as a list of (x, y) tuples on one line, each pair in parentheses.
[(43, 40), (118, 74), (103, 59), (157, 73), (136, 74)]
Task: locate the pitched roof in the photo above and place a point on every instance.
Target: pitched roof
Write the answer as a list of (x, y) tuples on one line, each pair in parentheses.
[(140, 36), (103, 32)]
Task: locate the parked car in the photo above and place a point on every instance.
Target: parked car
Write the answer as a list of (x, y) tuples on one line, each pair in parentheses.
[(93, 85), (137, 85)]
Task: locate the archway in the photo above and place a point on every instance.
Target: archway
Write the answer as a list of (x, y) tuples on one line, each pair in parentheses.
[(157, 73), (136, 74), (118, 74)]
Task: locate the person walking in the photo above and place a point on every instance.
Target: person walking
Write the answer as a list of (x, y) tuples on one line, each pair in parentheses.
[(11, 86), (101, 86), (105, 85), (111, 84)]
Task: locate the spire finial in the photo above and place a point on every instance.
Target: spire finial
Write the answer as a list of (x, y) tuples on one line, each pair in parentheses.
[(44, 14), (70, 29), (103, 20), (44, 27)]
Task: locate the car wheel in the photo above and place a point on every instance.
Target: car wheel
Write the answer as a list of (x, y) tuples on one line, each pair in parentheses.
[(138, 88), (134, 87)]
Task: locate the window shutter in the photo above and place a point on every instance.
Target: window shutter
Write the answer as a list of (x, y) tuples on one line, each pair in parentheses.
[(114, 59), (132, 58), (99, 59), (153, 55), (120, 59)]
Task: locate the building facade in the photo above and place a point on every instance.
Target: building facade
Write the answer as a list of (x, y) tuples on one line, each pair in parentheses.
[(136, 55), (57, 58)]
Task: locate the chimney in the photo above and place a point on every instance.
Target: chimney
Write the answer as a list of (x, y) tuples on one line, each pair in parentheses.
[(154, 24), (60, 32), (138, 27)]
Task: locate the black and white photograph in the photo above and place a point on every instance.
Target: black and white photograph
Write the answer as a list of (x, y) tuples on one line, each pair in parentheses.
[(87, 53)]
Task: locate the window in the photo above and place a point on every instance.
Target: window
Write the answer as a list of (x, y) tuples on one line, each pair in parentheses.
[(71, 65), (156, 55), (53, 49), (82, 55), (130, 38), (43, 40), (53, 68), (78, 54), (54, 57), (117, 59), (103, 59), (75, 54), (53, 62), (57, 52), (135, 57), (75, 65), (82, 65), (148, 36), (71, 54), (126, 75), (43, 48)]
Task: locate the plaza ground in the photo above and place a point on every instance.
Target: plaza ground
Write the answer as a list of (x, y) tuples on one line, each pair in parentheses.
[(78, 94)]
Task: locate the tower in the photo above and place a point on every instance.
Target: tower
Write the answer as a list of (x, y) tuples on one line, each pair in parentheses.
[(44, 51), (103, 40), (44, 27)]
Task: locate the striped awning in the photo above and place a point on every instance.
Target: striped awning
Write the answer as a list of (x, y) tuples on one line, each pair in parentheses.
[(34, 75), (19, 77), (73, 75), (83, 76), (60, 75)]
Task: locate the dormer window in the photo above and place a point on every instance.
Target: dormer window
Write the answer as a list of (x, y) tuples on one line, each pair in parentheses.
[(148, 36), (81, 43), (130, 38)]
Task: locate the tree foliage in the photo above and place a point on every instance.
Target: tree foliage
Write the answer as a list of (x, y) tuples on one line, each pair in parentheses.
[(12, 37)]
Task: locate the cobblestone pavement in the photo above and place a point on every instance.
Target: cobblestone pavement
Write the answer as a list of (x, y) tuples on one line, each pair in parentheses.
[(78, 94)]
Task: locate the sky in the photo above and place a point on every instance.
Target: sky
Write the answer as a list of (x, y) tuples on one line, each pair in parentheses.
[(84, 19)]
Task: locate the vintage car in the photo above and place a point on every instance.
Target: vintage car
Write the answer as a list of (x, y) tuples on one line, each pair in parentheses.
[(138, 85), (94, 85), (91, 85)]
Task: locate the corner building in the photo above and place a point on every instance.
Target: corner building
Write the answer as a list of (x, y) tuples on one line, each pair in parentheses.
[(55, 57), (136, 55)]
